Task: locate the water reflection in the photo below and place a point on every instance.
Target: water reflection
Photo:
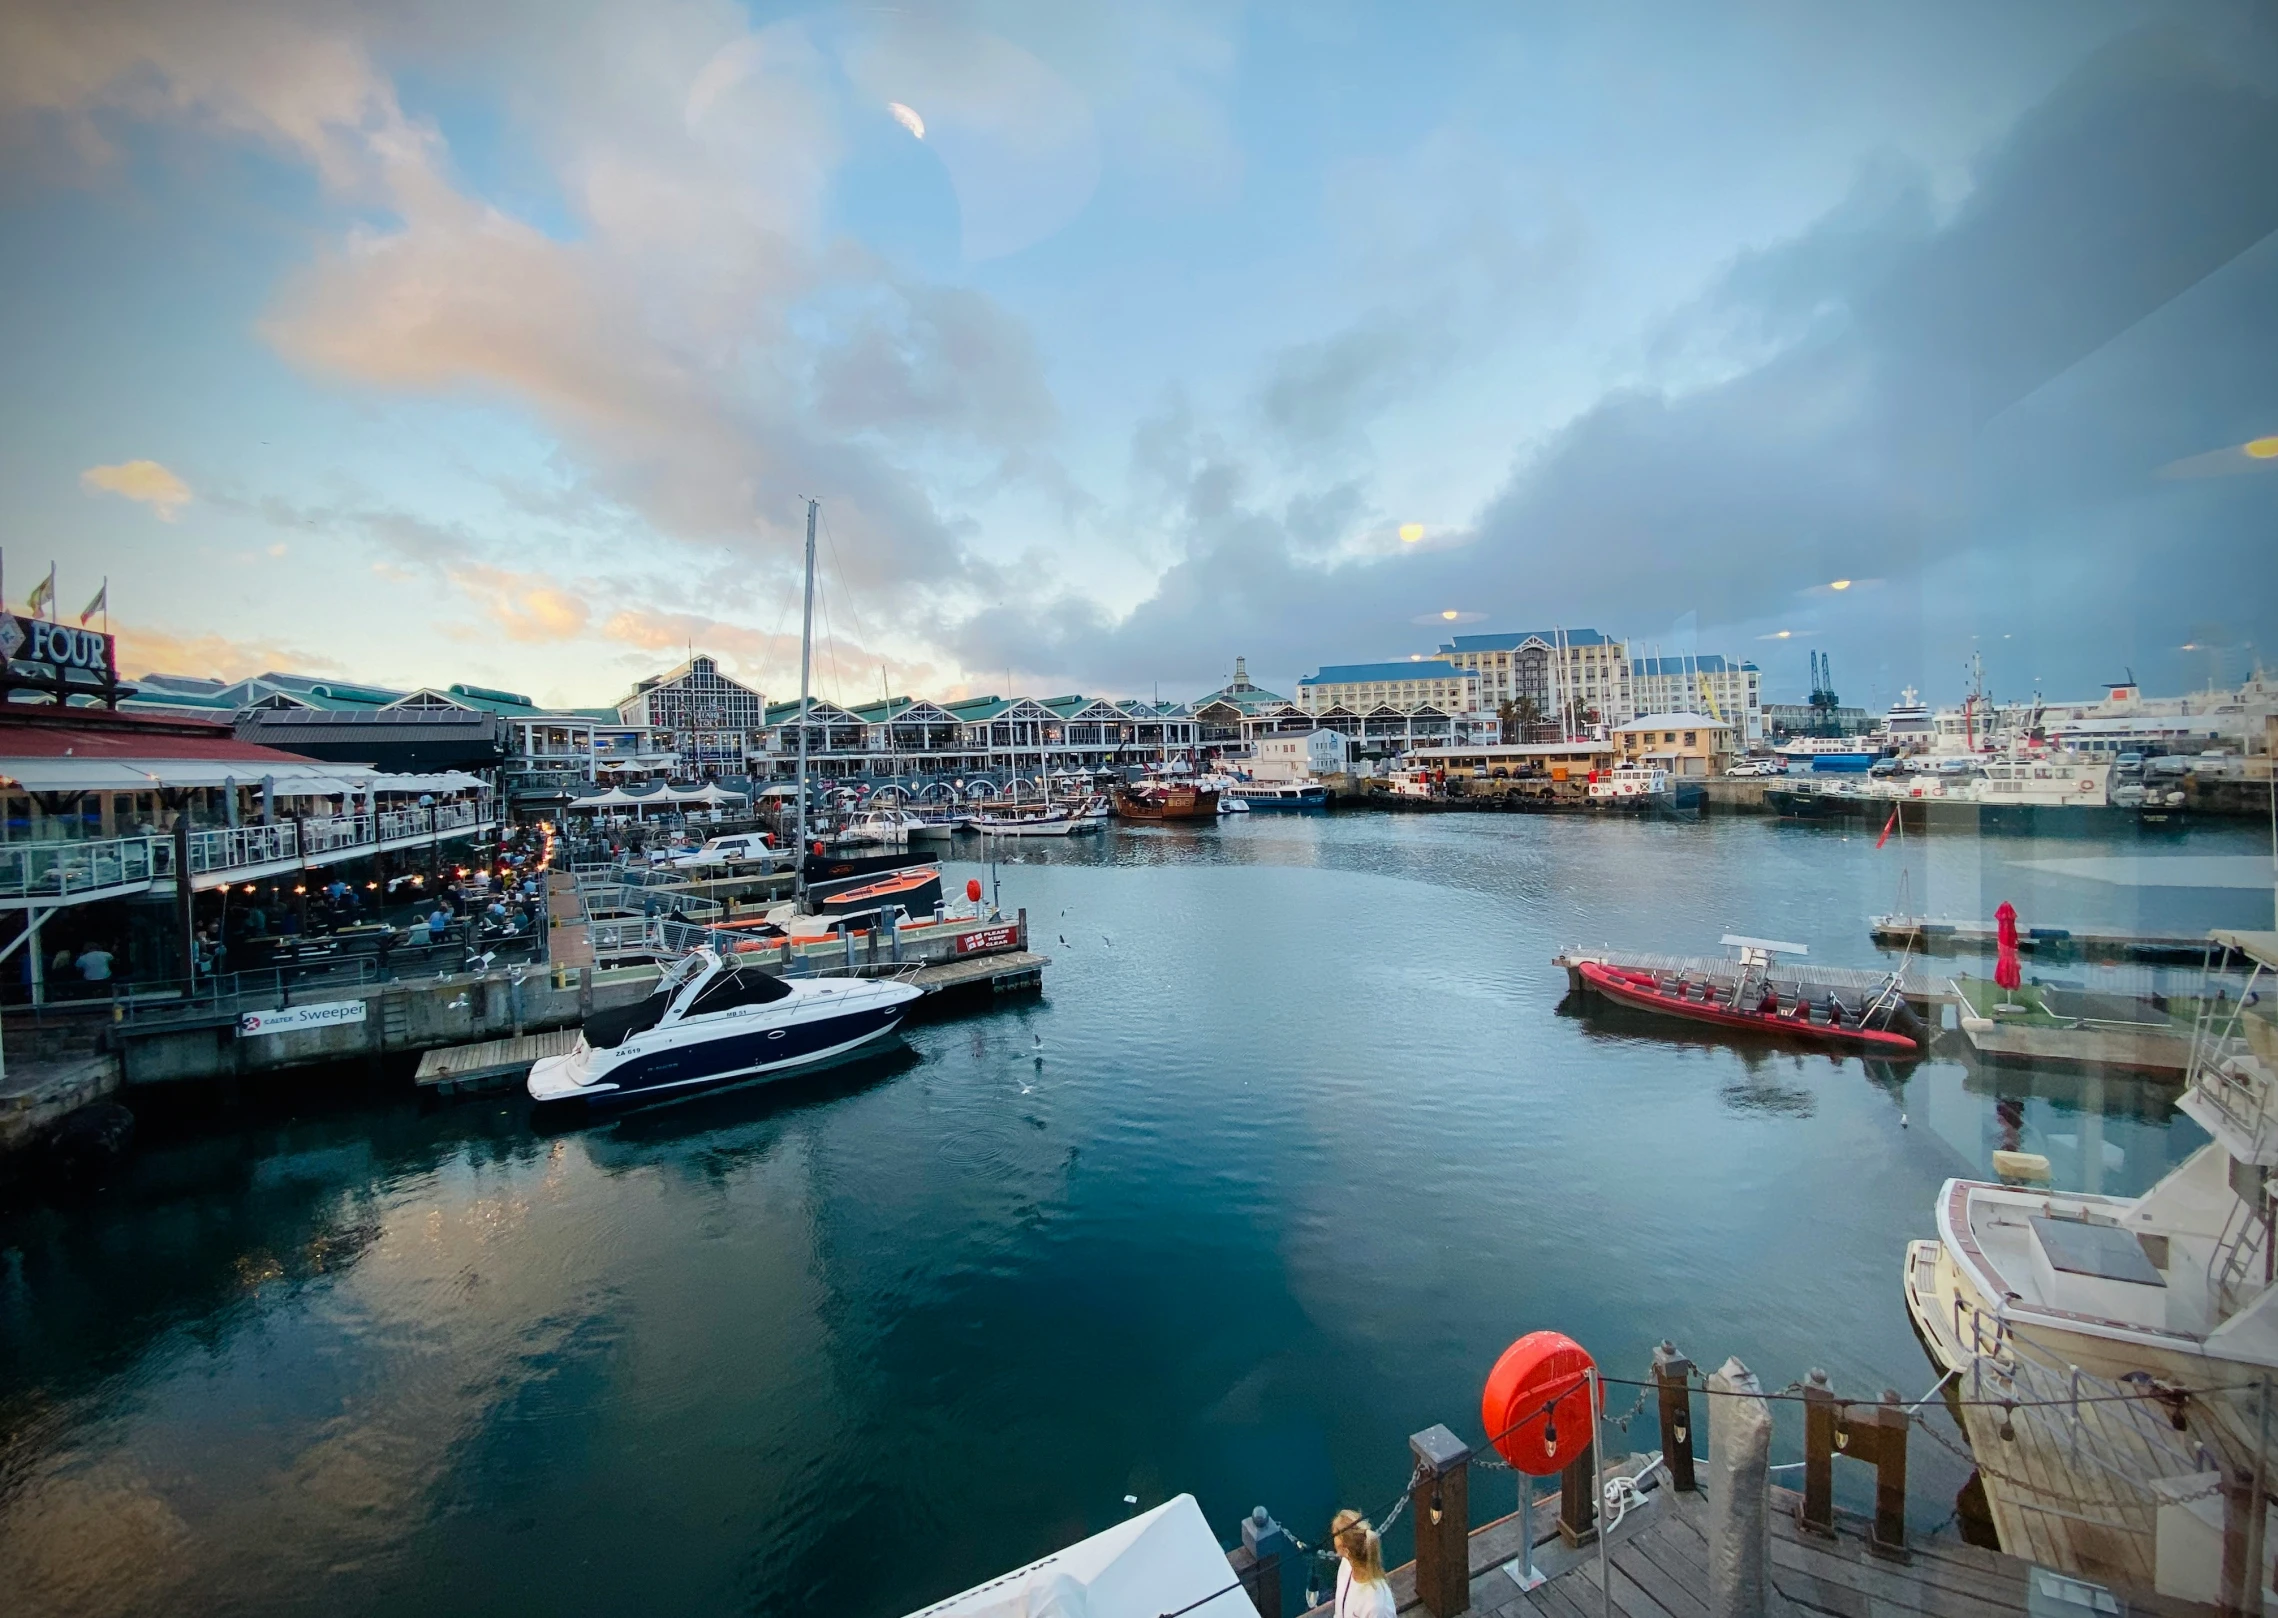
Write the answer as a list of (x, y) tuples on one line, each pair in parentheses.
[(1296, 1141)]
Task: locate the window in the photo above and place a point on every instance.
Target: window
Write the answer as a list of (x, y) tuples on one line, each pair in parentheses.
[(1692, 738), (738, 987)]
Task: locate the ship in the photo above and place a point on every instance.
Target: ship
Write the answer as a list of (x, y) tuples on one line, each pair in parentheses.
[(1166, 800)]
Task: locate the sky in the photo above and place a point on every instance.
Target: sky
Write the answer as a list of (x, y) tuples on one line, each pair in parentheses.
[(418, 343)]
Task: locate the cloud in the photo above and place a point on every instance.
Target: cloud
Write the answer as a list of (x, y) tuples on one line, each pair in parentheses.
[(144, 481), (523, 606), (153, 649)]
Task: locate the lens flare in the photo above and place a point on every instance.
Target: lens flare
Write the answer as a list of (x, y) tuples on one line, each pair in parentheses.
[(2262, 449), (1451, 615), (1839, 584), (907, 117), (1410, 532)]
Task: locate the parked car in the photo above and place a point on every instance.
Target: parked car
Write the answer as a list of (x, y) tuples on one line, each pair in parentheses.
[(1758, 766)]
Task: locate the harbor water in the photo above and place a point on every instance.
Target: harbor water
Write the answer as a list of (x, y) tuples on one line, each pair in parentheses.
[(1298, 1137)]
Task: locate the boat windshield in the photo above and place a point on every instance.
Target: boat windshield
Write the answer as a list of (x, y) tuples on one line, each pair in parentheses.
[(606, 1030), (738, 987)]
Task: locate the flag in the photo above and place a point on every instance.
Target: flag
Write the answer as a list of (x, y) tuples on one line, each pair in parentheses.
[(101, 604), (1889, 826), (43, 593)]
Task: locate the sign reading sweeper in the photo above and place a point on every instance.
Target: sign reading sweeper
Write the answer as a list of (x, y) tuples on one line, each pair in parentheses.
[(285, 1020)]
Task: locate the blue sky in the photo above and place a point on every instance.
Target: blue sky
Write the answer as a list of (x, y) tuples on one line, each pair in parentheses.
[(419, 345)]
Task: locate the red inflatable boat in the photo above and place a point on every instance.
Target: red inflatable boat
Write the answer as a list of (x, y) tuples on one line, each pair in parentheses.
[(1824, 1021)]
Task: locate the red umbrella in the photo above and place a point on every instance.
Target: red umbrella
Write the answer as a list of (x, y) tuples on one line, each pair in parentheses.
[(2005, 970)]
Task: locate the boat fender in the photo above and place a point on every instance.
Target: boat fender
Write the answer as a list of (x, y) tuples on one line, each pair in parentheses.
[(1536, 1405), (2021, 1166), (973, 890)]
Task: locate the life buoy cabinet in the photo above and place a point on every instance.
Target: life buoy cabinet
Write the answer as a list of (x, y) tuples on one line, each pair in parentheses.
[(1536, 1406)]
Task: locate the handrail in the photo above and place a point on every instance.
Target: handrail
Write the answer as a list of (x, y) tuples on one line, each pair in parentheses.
[(63, 867)]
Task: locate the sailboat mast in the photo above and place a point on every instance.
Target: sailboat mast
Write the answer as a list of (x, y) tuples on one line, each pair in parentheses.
[(806, 662)]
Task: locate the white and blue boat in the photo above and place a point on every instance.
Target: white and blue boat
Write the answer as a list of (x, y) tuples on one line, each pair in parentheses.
[(712, 1022), (1831, 754), (1277, 794)]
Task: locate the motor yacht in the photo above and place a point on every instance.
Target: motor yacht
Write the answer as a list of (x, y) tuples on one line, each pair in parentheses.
[(712, 1022)]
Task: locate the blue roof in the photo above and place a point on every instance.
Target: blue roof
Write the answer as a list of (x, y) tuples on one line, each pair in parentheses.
[(1430, 668), (1511, 643), (1706, 663)]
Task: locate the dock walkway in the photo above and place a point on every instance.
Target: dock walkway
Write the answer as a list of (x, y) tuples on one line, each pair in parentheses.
[(1657, 1567)]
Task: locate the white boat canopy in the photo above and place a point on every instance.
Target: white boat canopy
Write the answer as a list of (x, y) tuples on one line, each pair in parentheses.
[(1164, 1560)]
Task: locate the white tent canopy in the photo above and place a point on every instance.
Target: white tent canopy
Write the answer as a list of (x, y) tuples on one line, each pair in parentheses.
[(149, 775), (443, 781), (1164, 1560), (614, 798)]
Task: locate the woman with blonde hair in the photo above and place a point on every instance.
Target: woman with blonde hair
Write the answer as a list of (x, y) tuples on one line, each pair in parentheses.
[(1361, 1588)]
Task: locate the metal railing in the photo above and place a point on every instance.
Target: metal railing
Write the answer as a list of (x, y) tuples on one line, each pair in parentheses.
[(230, 847), (60, 870)]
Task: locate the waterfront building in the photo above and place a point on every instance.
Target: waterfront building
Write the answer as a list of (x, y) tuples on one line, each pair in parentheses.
[(1409, 684), (1568, 679), (1237, 710), (693, 709), (901, 737), (1558, 761), (1683, 743), (1733, 692), (395, 739), (1785, 719), (199, 697), (116, 828), (1307, 757)]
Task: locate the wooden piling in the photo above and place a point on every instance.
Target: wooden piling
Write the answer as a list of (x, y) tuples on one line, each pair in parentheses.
[(1442, 1509), (1876, 1437), (1673, 1389)]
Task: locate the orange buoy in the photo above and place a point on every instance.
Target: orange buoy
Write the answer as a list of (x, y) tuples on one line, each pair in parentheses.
[(1536, 1407), (973, 889)]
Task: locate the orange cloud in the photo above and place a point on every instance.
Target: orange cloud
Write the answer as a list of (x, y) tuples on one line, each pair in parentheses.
[(524, 606), (148, 649), (144, 481)]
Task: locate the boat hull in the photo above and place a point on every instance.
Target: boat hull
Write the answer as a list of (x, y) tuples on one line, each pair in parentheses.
[(1640, 993), (1969, 816), (1167, 803), (694, 1066)]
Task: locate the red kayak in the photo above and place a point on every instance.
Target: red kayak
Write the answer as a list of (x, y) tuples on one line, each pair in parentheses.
[(1702, 1002)]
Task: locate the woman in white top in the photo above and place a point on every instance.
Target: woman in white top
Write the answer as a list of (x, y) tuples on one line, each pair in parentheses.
[(1361, 1588)]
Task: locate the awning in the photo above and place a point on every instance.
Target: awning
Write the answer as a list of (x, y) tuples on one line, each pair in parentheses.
[(447, 781), (150, 775), (1161, 1561)]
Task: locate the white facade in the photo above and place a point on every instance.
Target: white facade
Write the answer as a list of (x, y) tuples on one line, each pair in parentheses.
[(1293, 757), (1575, 678), (1733, 692), (1417, 683)]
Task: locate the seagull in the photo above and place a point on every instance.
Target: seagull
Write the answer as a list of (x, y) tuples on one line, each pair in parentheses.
[(1902, 1120), (1063, 938), (1103, 938)]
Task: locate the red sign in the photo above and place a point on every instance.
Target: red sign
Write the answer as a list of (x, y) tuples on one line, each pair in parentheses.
[(987, 939)]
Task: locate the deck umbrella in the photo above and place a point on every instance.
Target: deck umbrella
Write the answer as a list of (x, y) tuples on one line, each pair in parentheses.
[(2006, 972)]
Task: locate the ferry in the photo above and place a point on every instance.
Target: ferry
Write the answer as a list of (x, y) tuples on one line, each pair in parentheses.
[(1276, 794), (1167, 800), (2037, 792), (1831, 754)]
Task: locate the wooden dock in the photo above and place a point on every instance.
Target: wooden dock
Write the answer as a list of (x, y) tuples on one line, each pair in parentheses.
[(1013, 972), (1657, 1567), (1934, 937), (491, 1064)]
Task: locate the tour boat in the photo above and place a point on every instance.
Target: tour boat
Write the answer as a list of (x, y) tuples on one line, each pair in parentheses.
[(1629, 786), (1166, 800), (712, 1022), (1881, 1025), (1278, 795), (1045, 823), (916, 889), (889, 826)]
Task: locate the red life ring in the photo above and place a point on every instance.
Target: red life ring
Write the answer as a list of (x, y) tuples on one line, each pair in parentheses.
[(2088, 786), (1536, 1405)]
